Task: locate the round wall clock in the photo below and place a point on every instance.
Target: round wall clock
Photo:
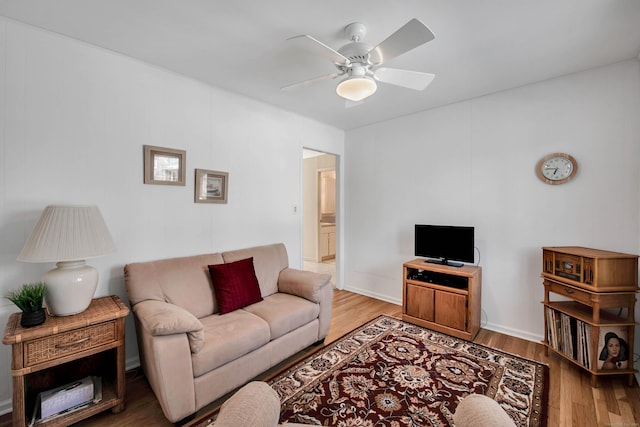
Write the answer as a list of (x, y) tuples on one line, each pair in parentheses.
[(557, 168)]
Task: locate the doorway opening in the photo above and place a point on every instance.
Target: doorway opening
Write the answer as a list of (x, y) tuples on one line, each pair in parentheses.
[(319, 212)]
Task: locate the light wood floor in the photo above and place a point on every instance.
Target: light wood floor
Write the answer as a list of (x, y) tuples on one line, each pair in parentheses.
[(572, 400)]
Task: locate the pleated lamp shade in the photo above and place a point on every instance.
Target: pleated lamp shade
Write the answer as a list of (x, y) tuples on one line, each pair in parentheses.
[(68, 235)]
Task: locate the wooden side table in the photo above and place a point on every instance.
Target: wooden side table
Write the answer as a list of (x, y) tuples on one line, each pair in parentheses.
[(66, 349)]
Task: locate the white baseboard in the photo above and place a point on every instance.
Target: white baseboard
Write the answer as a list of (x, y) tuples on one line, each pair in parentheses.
[(375, 295), (132, 363), (513, 332), (6, 407)]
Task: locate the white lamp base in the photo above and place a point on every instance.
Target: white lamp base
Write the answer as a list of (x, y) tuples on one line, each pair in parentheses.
[(70, 287)]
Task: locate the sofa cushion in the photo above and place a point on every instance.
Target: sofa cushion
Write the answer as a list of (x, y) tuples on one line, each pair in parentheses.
[(269, 261), (228, 337), (235, 285), (284, 313), (184, 282)]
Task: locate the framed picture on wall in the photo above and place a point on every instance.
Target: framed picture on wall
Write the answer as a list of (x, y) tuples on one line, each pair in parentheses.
[(613, 348), (164, 166), (211, 186)]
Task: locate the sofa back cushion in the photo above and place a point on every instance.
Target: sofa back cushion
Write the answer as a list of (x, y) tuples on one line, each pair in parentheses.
[(268, 261), (184, 282)]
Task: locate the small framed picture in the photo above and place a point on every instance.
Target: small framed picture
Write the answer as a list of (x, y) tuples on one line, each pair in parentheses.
[(164, 166), (613, 348), (211, 186)]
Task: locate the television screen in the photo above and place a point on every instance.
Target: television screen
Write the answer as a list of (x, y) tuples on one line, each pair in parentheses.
[(445, 243)]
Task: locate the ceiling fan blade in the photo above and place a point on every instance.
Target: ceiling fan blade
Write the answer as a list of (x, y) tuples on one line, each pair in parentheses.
[(413, 34), (405, 78), (315, 46), (310, 81)]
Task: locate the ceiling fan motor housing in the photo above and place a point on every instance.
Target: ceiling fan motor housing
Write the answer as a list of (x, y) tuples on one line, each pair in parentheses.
[(356, 52)]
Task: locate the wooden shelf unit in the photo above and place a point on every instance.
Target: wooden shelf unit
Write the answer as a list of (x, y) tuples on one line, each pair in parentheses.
[(443, 298), (596, 287), (66, 349)]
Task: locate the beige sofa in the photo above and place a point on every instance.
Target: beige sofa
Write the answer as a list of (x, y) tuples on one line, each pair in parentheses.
[(192, 354)]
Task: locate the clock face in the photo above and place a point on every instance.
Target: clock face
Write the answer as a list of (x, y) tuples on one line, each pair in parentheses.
[(557, 168)]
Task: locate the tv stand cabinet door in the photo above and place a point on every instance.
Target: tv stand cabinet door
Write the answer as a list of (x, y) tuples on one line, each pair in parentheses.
[(420, 302), (451, 310)]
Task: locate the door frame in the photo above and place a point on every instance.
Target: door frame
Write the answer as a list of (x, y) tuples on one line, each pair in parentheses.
[(339, 279)]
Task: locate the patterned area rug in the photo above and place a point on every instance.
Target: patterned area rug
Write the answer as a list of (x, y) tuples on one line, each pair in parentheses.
[(392, 373)]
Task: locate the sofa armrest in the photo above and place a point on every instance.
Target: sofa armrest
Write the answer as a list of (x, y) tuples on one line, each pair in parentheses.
[(478, 410), (162, 318), (254, 405), (305, 284), (166, 360), (314, 287)]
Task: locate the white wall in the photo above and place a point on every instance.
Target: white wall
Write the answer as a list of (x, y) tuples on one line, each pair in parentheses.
[(473, 163), (74, 119)]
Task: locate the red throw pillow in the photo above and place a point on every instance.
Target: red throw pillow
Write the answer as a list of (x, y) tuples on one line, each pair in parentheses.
[(235, 284)]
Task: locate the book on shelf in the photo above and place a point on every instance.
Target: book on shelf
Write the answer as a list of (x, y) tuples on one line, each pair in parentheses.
[(553, 329), (550, 335), (96, 396), (589, 335), (584, 344), (568, 335)]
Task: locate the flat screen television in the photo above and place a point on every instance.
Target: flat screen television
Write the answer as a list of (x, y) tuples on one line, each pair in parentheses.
[(443, 244)]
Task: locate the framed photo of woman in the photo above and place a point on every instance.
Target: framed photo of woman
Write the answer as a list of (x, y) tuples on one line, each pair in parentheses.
[(613, 348)]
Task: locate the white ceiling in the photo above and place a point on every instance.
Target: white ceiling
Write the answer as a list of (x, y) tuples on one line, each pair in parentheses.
[(481, 46)]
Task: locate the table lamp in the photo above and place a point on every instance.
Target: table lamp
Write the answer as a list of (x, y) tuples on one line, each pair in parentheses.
[(67, 235)]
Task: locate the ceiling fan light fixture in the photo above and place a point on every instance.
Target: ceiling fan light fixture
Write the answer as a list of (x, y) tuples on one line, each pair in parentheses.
[(356, 88)]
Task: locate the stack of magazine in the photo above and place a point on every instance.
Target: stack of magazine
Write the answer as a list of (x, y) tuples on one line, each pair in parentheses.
[(66, 399)]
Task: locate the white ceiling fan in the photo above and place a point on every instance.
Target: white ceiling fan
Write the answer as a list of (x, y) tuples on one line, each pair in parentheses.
[(361, 63)]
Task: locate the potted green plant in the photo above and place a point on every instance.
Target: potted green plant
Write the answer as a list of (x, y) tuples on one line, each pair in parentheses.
[(29, 299)]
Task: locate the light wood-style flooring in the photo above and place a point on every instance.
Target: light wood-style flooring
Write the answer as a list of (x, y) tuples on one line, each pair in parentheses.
[(572, 400)]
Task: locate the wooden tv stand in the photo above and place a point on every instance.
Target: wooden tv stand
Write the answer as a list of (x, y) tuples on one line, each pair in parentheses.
[(443, 298)]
